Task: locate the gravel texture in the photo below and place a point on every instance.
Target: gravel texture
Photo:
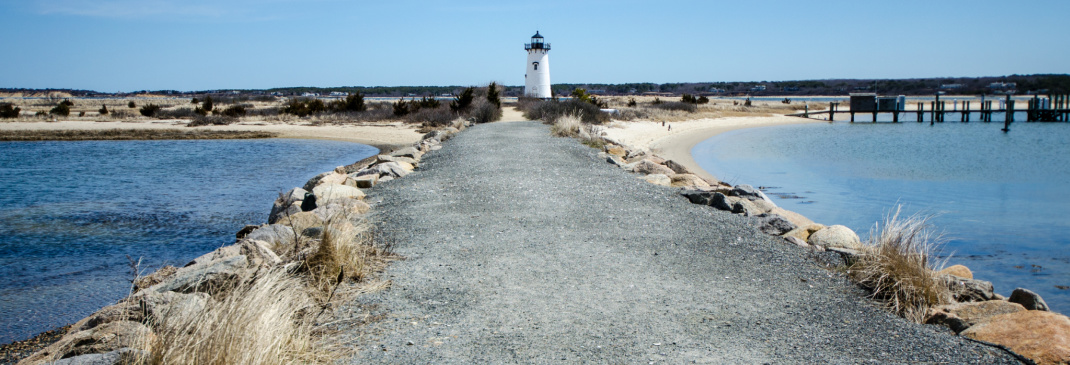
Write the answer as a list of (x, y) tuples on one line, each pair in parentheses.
[(521, 247)]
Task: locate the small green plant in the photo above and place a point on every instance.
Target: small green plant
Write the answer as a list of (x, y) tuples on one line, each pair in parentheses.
[(632, 103), (462, 102), (150, 110), (582, 95), (493, 95), (61, 109), (131, 105), (81, 114), (103, 109), (207, 105), (8, 110), (746, 103)]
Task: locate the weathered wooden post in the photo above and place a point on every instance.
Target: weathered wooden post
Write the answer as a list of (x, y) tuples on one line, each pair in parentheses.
[(932, 112), (1007, 112), (832, 111), (895, 113), (921, 110), (967, 113), (806, 110)]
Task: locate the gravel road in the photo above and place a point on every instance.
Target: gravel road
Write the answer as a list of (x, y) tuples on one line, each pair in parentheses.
[(524, 248)]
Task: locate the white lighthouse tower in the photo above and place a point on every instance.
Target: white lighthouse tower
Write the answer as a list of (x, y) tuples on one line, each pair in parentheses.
[(537, 79)]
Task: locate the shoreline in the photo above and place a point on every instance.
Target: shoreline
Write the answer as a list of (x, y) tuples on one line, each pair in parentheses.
[(676, 144), (384, 136)]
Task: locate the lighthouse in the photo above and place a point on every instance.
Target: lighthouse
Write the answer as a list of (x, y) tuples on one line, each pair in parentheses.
[(537, 78)]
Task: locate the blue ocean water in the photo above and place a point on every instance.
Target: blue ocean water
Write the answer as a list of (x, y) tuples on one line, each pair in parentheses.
[(72, 212), (1002, 199)]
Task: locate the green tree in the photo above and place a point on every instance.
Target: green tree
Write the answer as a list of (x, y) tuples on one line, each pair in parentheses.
[(61, 109), (463, 101), (207, 105), (103, 110), (8, 110), (493, 95)]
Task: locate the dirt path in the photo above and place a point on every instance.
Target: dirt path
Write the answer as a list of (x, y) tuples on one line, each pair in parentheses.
[(525, 248)]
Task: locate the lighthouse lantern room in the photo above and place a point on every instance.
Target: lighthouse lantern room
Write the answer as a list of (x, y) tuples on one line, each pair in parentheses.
[(537, 78)]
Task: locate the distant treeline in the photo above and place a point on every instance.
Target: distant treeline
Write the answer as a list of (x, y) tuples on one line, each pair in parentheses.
[(1016, 84)]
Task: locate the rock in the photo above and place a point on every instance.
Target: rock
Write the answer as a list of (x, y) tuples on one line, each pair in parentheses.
[(775, 225), (217, 254), (206, 278), (1028, 299), (796, 241), (764, 206), (124, 355), (284, 204), (245, 231), (392, 169), (309, 203), (634, 155), (326, 193), (154, 278), (616, 151), (803, 233), (407, 152), (435, 135), (301, 221), (614, 159), (311, 183), (960, 316), (335, 178), (366, 181), (259, 253), (699, 197), (969, 290), (798, 219), (648, 167), (957, 270), (748, 192), (835, 236), (313, 232), (160, 306), (676, 167), (385, 179), (104, 339), (686, 180), (435, 147), (1041, 336), (744, 207), (721, 202), (122, 311), (657, 179), (279, 237), (849, 256), (656, 159), (342, 209)]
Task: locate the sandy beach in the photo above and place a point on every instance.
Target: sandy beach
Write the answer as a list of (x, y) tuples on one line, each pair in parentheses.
[(384, 136), (676, 144)]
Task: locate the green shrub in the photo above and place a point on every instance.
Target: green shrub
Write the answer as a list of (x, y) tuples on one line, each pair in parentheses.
[(304, 107), (234, 111), (551, 110), (677, 105), (207, 105), (462, 102), (485, 113), (355, 103), (194, 101), (61, 109), (67, 102), (103, 109), (435, 117), (177, 113), (582, 95), (632, 103), (150, 110), (81, 114), (8, 110), (493, 95), (41, 113), (210, 120), (703, 100), (401, 108), (657, 101), (131, 105)]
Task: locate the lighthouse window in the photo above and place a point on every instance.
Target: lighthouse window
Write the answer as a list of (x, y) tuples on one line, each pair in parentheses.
[(536, 64)]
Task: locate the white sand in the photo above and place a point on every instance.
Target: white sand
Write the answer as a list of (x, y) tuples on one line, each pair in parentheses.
[(676, 144)]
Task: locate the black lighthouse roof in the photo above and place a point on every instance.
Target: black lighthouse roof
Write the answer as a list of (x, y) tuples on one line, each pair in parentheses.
[(536, 35)]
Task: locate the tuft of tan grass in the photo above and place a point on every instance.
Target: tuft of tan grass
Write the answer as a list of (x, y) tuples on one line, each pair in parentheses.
[(567, 126), (263, 321), (897, 265)]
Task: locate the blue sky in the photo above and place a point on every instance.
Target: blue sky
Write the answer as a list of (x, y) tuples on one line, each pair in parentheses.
[(127, 45)]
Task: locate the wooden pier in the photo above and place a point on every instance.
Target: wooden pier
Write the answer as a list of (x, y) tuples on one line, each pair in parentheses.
[(1054, 108)]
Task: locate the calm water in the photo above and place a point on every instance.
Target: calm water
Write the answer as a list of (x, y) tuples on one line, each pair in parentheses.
[(73, 211), (1002, 199)]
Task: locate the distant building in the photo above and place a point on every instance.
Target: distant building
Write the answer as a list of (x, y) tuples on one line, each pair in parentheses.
[(537, 78), (952, 86), (1003, 85), (339, 93), (758, 88)]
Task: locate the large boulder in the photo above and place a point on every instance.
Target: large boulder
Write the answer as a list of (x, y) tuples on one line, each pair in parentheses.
[(104, 339), (616, 151), (960, 316), (957, 270), (969, 290), (393, 169), (209, 277), (748, 192), (301, 221), (798, 219), (123, 311), (259, 253), (615, 160), (688, 180), (160, 306), (287, 203), (835, 236), (803, 232), (334, 178), (280, 237), (1028, 299), (744, 207), (657, 179), (124, 355), (649, 167), (366, 181), (349, 209), (1041, 336), (326, 193), (721, 202), (699, 197), (315, 180), (775, 225), (676, 167), (408, 152)]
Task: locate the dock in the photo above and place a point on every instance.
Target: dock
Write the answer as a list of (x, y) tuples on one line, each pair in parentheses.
[(1053, 108)]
